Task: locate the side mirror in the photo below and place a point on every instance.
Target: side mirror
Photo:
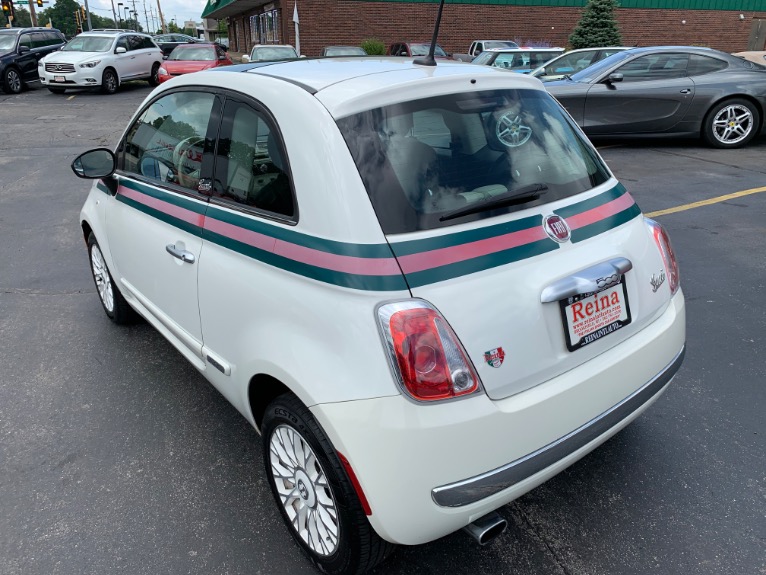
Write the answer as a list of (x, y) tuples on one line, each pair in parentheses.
[(24, 49), (617, 77), (120, 50), (95, 164), (245, 59)]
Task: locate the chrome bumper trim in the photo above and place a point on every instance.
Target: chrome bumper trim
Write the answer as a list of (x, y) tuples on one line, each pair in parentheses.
[(476, 488)]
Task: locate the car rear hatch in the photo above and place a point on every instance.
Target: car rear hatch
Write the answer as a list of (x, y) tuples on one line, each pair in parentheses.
[(505, 219), (522, 303)]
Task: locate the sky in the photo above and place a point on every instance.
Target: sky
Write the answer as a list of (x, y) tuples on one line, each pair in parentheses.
[(180, 10)]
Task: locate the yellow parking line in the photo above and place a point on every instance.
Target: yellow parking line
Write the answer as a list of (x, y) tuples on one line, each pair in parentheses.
[(70, 97), (706, 202)]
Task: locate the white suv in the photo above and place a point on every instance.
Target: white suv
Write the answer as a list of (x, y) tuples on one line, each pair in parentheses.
[(422, 285), (101, 58)]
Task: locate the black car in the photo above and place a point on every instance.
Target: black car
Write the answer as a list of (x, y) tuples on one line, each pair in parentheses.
[(668, 91), (167, 42), (21, 50)]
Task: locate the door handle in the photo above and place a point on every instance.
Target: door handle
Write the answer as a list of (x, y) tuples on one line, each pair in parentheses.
[(182, 255), (592, 279), (686, 91)]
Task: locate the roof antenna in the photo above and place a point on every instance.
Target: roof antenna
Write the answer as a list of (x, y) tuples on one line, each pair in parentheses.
[(429, 60)]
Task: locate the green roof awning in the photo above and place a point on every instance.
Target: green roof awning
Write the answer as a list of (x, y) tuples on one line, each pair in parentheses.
[(227, 8)]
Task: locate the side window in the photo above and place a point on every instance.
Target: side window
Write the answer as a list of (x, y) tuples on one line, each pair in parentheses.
[(25, 40), (146, 42), (38, 40), (655, 67), (167, 142), (250, 166), (135, 42), (699, 65)]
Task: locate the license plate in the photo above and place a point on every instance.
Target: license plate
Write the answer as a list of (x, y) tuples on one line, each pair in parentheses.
[(59, 78), (591, 317)]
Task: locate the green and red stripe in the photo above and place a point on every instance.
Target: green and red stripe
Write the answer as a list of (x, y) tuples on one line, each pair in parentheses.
[(378, 267)]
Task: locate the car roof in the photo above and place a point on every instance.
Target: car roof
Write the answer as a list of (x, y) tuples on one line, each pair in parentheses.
[(522, 49), (347, 85), (28, 29)]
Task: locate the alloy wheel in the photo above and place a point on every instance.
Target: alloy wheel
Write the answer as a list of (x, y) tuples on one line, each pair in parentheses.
[(304, 490), (732, 124), (103, 280), (13, 81)]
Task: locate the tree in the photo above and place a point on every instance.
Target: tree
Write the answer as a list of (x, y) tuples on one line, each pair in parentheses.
[(597, 26), (21, 18)]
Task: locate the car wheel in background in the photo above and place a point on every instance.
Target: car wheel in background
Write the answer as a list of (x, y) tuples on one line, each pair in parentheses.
[(109, 82), (12, 83), (115, 306), (154, 79), (731, 123), (57, 90), (314, 494)]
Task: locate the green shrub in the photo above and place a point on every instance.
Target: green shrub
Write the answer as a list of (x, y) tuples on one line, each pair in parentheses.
[(374, 47)]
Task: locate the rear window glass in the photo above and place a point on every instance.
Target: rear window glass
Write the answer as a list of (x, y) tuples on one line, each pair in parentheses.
[(427, 161)]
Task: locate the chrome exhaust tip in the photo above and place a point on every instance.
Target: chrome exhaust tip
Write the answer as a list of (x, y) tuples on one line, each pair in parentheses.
[(486, 528)]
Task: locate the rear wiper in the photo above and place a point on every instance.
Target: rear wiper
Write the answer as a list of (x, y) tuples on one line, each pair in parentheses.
[(511, 198)]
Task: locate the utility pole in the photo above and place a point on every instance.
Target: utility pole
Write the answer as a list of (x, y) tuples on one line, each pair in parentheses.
[(87, 13), (114, 14), (162, 18), (32, 14), (146, 18)]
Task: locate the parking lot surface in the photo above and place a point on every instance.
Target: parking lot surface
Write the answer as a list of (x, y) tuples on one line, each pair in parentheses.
[(117, 456)]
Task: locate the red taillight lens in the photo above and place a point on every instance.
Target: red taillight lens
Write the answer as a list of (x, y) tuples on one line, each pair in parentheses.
[(426, 353), (662, 240)]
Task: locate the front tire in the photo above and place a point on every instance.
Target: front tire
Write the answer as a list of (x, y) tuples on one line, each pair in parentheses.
[(314, 494), (12, 82), (731, 123), (115, 306), (109, 82)]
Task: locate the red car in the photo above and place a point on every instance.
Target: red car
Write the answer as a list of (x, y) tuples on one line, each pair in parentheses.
[(187, 58)]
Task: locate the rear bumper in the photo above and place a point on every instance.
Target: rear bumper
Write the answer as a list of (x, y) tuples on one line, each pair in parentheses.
[(430, 470), (476, 488)]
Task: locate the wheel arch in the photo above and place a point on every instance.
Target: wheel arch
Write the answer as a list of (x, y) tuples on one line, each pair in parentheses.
[(116, 73), (86, 230), (261, 391)]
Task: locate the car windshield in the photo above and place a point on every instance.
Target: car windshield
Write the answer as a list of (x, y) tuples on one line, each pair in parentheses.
[(89, 44), (7, 42), (273, 53), (344, 51), (426, 160), (499, 45), (592, 72), (193, 53), (422, 50)]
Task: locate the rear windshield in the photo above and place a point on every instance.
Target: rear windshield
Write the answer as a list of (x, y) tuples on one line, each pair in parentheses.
[(426, 160)]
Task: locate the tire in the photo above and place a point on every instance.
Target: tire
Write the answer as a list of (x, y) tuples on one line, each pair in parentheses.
[(57, 90), (12, 82), (115, 306), (731, 123), (154, 80), (347, 543), (109, 81)]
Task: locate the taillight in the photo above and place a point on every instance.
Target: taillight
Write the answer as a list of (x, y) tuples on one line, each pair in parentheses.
[(425, 354), (666, 251)]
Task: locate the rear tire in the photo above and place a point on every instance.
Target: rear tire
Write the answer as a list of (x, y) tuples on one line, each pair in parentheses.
[(109, 81), (115, 306), (731, 123), (154, 79), (314, 495)]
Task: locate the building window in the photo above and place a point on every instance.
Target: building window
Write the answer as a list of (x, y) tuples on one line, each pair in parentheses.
[(268, 27)]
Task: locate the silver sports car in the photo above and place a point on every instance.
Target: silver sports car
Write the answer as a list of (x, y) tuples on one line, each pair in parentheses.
[(668, 91)]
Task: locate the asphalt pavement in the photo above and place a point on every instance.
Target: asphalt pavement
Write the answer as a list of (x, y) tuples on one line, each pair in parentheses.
[(116, 456)]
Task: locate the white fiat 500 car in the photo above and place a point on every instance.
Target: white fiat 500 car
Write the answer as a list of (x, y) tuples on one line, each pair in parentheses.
[(422, 285), (101, 59)]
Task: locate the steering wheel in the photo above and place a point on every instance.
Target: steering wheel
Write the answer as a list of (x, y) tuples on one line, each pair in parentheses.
[(187, 159), (511, 131)]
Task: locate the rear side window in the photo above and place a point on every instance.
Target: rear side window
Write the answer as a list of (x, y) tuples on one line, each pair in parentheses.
[(426, 160), (699, 65)]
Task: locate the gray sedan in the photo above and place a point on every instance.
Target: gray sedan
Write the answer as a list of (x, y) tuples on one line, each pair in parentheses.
[(668, 91)]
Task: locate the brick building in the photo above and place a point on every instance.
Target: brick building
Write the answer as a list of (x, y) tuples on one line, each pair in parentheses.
[(729, 25)]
